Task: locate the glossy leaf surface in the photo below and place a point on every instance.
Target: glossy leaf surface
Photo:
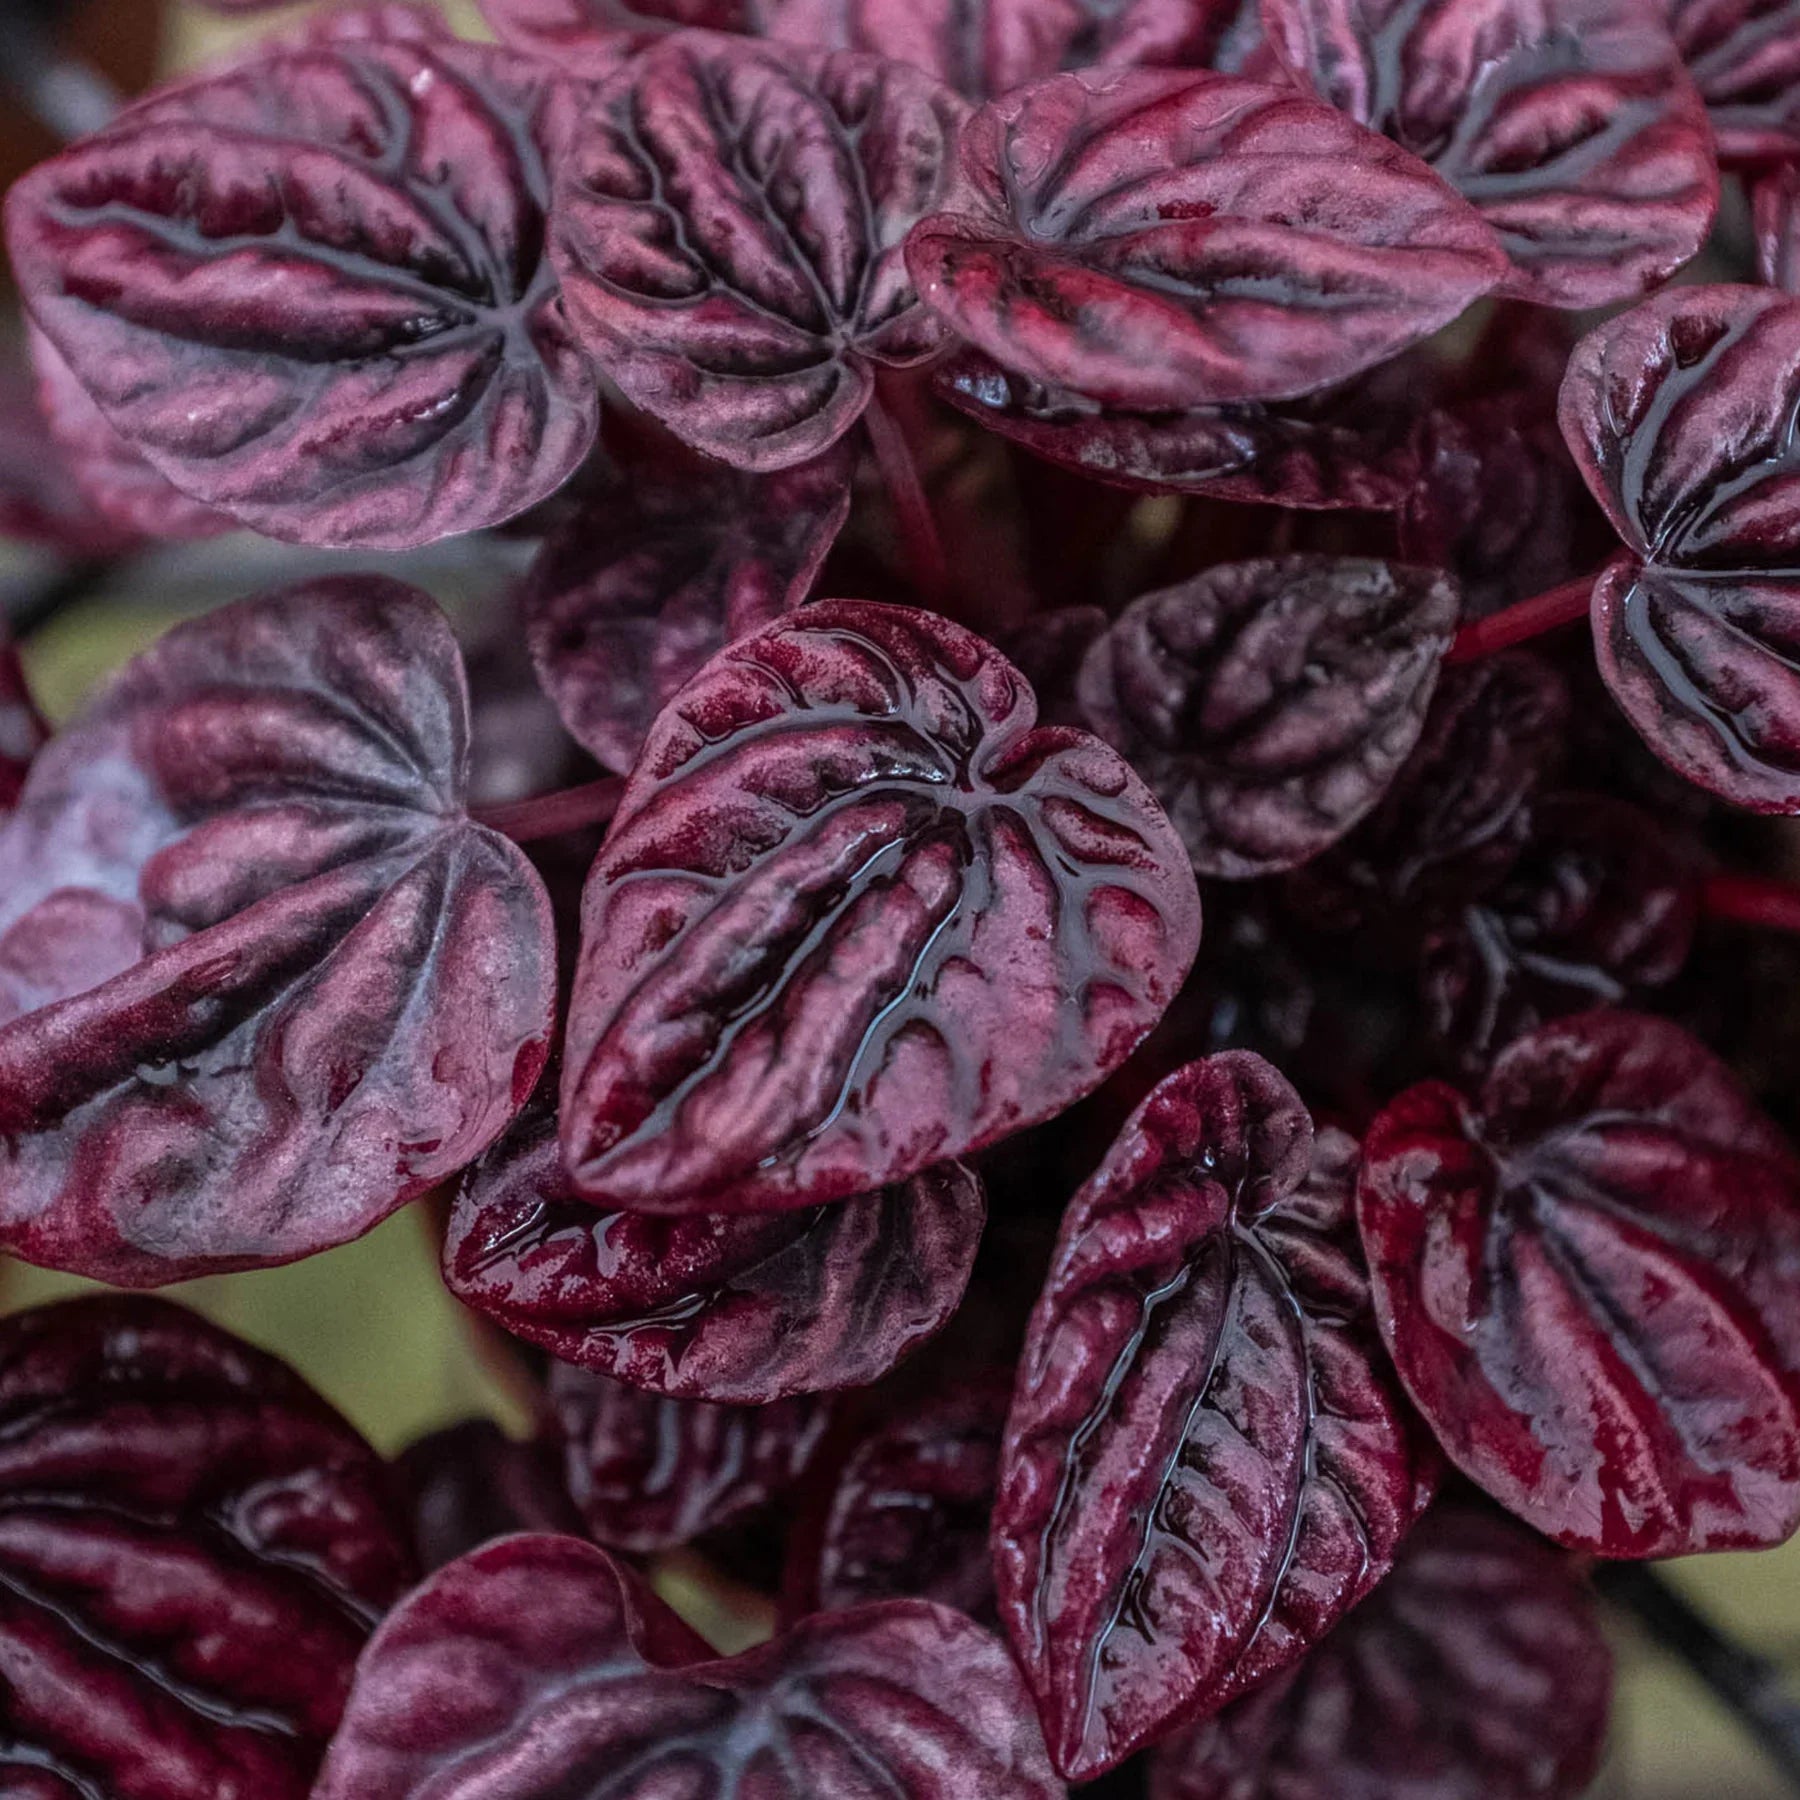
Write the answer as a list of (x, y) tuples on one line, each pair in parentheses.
[(194, 1548), (711, 1307), (1207, 1461), (630, 597), (729, 226), (261, 980), (1158, 241), (537, 1669), (1744, 56), (1269, 704), (1584, 1277), (856, 915), (312, 290)]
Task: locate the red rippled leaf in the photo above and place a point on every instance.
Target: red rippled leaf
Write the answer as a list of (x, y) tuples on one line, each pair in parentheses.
[(312, 289), (857, 914), (735, 1308), (729, 224), (1158, 240), (194, 1548), (1585, 1277), (539, 1667), (1478, 1670), (593, 39), (1269, 704), (261, 979), (1570, 124), (629, 598), (1207, 1461), (1744, 56)]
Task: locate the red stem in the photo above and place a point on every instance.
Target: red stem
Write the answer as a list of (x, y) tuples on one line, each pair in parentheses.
[(550, 815), (919, 538), (1752, 900), (1520, 623)]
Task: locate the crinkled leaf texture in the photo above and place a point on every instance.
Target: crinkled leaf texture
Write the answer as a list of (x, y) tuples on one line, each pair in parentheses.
[(193, 1548), (312, 289), (1157, 240), (729, 227), (731, 1307), (1570, 124), (649, 1473), (471, 1483), (1477, 1671), (593, 39), (1585, 1277), (261, 979), (1680, 416), (1269, 704), (661, 570), (539, 1669), (1207, 1461), (857, 914), (1745, 58)]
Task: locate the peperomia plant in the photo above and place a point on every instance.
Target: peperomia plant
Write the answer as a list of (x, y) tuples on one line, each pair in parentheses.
[(978, 486)]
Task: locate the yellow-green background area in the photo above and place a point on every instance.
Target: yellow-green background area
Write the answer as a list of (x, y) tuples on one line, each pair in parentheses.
[(372, 1327)]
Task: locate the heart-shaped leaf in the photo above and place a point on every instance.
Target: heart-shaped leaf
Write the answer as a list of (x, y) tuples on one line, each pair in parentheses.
[(649, 1473), (628, 599), (1269, 704), (1570, 124), (593, 39), (1744, 56), (538, 1667), (312, 289), (1585, 1277), (1207, 1461), (735, 1308), (856, 915), (729, 226), (1478, 1670), (471, 1483), (261, 979), (1155, 240), (193, 1548)]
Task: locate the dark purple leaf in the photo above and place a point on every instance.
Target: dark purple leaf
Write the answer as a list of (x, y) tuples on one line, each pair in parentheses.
[(729, 226), (592, 39), (1047, 649), (857, 915), (471, 1482), (1207, 1461), (1570, 124), (22, 729), (1744, 56), (261, 980), (1600, 907), (537, 1669), (194, 1547), (630, 597), (1775, 206), (733, 1308), (1269, 704), (312, 289), (1158, 241), (1477, 1671), (648, 1473), (1586, 1279)]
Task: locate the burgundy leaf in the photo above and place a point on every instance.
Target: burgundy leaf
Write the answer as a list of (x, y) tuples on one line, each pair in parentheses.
[(312, 289), (1601, 907), (1477, 1671), (857, 915), (1269, 704), (471, 1482), (1570, 124), (733, 1308), (1586, 1279), (261, 980), (729, 226), (1207, 1462), (1744, 56), (1775, 205), (593, 39), (648, 1473), (1321, 453), (537, 1668), (194, 1548), (1158, 241), (630, 597), (22, 729), (387, 21)]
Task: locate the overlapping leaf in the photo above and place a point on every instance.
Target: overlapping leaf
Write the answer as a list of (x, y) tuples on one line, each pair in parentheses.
[(1744, 56), (595, 38)]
